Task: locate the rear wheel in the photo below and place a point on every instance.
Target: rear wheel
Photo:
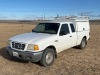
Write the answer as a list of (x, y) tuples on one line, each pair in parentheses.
[(48, 57), (83, 43)]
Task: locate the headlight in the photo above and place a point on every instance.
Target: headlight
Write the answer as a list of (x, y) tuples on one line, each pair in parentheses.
[(32, 47)]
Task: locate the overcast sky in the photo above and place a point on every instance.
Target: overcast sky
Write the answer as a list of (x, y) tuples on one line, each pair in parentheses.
[(30, 9)]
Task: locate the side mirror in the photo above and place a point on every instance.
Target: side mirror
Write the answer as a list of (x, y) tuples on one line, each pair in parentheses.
[(32, 30), (62, 33)]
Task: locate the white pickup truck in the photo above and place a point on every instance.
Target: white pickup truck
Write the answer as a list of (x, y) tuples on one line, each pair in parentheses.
[(48, 39)]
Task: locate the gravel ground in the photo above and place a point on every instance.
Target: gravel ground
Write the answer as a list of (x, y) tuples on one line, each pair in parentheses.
[(69, 62)]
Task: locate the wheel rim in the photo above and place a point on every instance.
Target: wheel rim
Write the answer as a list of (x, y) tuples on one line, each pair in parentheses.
[(49, 58)]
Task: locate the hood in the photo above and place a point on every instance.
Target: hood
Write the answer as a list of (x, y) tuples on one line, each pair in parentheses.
[(29, 37)]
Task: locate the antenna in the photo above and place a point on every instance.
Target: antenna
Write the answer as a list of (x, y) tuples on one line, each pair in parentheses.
[(44, 16)]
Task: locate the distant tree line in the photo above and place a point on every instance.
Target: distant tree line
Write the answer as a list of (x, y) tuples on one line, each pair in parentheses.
[(35, 22), (94, 22)]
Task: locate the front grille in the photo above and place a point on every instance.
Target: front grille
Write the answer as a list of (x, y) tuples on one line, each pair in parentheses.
[(18, 46)]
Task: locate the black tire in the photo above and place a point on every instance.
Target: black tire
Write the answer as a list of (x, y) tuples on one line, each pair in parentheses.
[(47, 61), (83, 44)]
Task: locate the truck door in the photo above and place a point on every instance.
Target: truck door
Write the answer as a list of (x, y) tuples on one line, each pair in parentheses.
[(64, 37), (73, 33)]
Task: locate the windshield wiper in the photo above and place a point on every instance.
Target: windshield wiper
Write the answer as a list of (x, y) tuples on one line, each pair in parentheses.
[(43, 32), (36, 31), (49, 33)]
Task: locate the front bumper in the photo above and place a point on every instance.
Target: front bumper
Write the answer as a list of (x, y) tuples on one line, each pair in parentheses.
[(25, 55)]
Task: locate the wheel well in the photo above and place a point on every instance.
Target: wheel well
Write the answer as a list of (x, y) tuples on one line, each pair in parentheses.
[(85, 38), (53, 49)]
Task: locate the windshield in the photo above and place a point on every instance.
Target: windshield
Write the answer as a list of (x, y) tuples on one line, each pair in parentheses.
[(51, 28)]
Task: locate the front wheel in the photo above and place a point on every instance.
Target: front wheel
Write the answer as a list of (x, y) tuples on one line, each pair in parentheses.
[(48, 57), (83, 43)]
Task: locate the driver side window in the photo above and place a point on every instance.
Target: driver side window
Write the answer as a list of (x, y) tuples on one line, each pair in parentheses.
[(64, 29)]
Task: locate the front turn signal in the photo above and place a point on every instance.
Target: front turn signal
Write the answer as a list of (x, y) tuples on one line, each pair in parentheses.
[(36, 47)]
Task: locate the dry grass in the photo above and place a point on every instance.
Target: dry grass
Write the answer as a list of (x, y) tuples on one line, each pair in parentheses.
[(9, 30), (69, 62)]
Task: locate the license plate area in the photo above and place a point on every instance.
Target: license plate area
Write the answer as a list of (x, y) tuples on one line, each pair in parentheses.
[(15, 54)]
